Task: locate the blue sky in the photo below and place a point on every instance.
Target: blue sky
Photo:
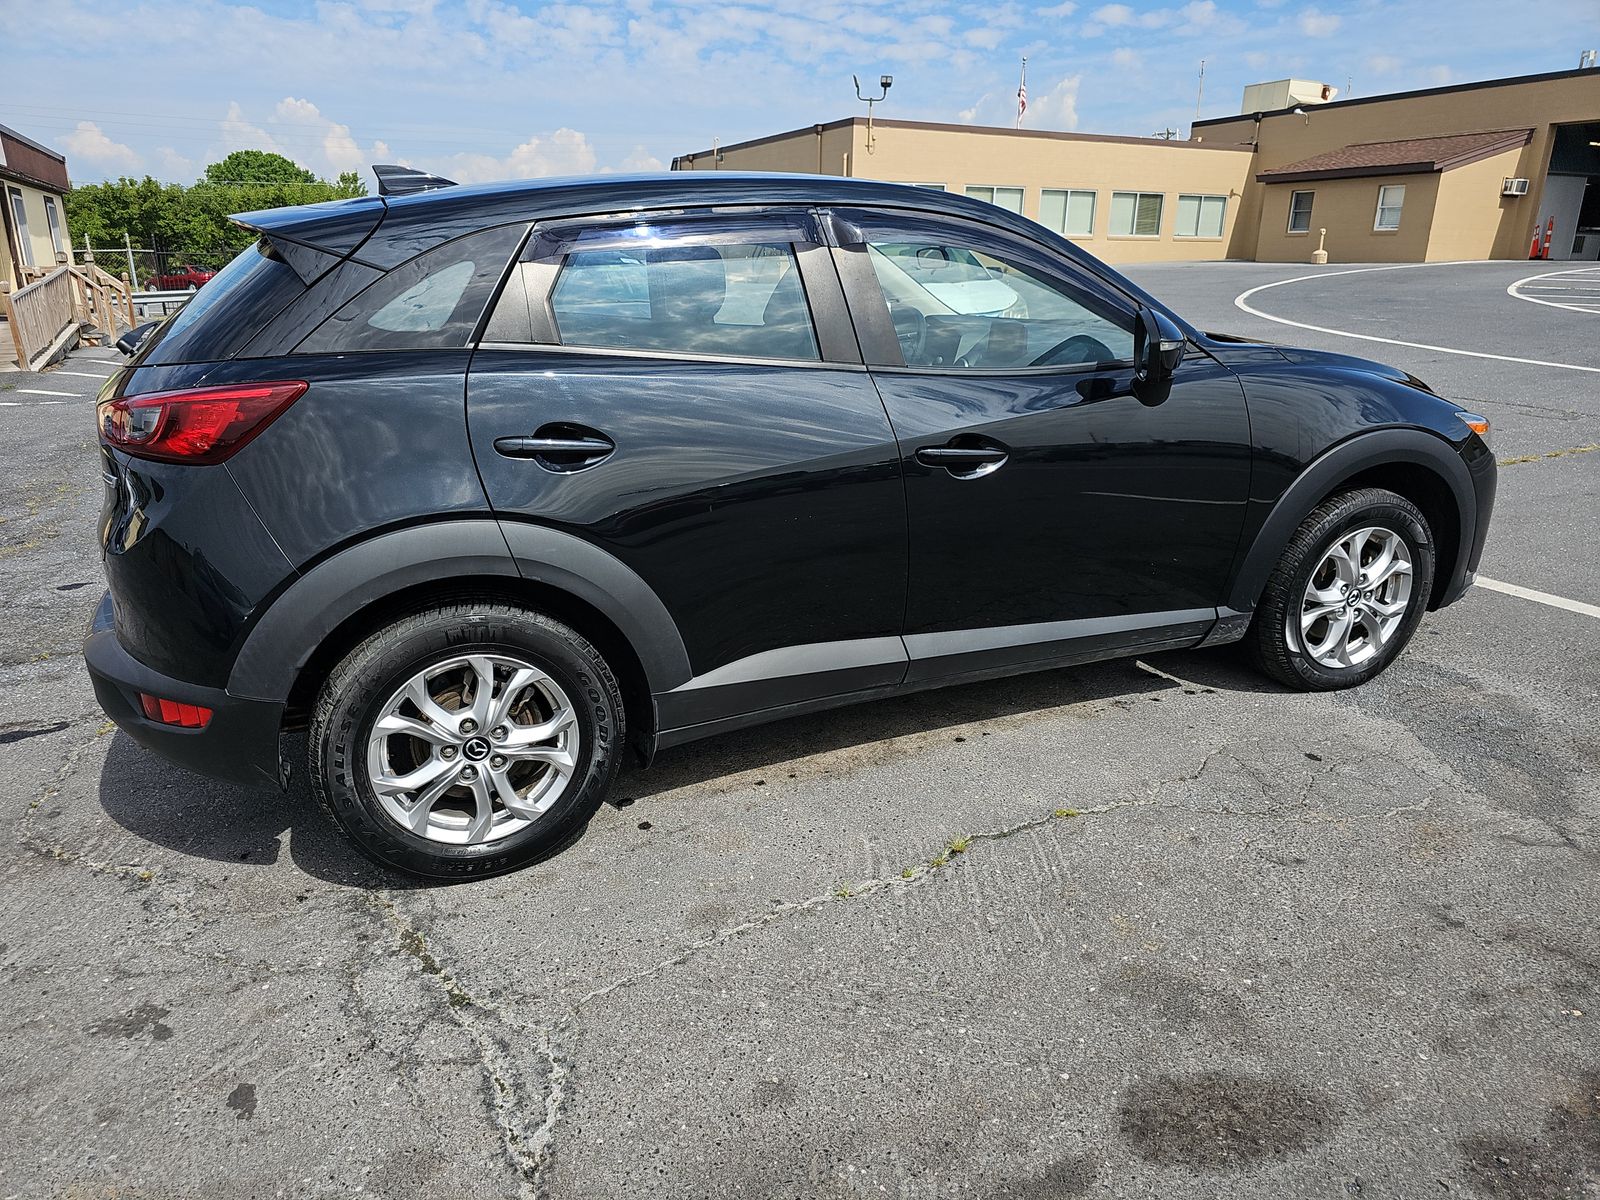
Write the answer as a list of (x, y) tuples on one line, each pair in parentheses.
[(482, 89)]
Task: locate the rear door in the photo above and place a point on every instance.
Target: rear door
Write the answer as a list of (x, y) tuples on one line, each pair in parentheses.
[(1054, 513), (685, 391)]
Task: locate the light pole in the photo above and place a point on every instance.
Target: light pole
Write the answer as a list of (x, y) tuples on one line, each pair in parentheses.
[(885, 82)]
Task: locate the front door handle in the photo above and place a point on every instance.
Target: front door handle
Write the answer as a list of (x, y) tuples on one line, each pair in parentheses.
[(561, 448), (965, 461)]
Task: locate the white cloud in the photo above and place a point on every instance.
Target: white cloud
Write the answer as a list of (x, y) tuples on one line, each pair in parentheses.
[(564, 152), (238, 133), (1194, 17), (1316, 23), (1384, 64), (178, 167), (1057, 10), (640, 159), (1126, 58), (89, 142), (339, 150), (1056, 108), (1112, 15)]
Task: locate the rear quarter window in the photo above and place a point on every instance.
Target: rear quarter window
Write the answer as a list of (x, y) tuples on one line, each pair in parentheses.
[(432, 302), (228, 310)]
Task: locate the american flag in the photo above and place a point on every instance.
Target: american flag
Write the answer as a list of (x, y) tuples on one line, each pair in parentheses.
[(1022, 94)]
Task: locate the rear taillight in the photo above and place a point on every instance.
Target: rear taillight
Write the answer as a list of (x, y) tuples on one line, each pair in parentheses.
[(196, 425), (173, 712)]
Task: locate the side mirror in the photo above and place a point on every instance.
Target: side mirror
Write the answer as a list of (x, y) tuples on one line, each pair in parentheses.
[(1158, 346), (134, 338)]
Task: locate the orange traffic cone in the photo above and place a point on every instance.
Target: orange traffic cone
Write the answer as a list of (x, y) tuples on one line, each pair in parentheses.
[(1549, 232), (1533, 250)]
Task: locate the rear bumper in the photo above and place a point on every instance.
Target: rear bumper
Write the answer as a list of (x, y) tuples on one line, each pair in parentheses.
[(240, 743)]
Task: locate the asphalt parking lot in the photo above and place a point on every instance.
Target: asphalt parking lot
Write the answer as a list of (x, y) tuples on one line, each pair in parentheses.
[(1136, 929)]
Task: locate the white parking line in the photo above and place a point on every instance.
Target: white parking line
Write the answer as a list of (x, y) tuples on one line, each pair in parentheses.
[(1511, 589), (81, 374), (32, 404), (1575, 292), (42, 392), (1239, 302)]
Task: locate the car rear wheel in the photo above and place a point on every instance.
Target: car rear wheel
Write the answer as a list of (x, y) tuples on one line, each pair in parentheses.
[(1348, 593), (466, 741)]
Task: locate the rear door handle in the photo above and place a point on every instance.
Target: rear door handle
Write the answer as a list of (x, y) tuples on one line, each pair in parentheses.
[(558, 449), (972, 461), (959, 456)]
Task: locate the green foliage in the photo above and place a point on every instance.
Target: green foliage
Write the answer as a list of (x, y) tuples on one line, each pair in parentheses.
[(190, 224), (257, 166)]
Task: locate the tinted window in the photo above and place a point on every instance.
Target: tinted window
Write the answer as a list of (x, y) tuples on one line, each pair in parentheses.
[(432, 302), (743, 300), (228, 311), (965, 307)]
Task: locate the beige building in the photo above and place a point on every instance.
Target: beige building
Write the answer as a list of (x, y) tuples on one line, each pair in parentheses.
[(1456, 172), (33, 179), (1123, 199), (1445, 173)]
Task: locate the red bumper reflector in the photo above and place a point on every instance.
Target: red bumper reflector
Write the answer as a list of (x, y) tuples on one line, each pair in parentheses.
[(171, 712)]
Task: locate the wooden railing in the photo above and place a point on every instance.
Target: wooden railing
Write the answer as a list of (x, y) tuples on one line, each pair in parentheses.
[(50, 301), (39, 315), (114, 295)]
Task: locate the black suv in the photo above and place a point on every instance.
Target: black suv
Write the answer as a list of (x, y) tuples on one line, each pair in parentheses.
[(483, 484)]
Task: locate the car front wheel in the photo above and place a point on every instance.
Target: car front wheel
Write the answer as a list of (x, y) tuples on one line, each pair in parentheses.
[(466, 741), (1348, 593)]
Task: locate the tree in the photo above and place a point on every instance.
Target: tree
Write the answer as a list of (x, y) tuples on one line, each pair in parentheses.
[(257, 166), (184, 225)]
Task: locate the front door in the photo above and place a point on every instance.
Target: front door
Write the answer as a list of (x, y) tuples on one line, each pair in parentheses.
[(1053, 512), (685, 392)]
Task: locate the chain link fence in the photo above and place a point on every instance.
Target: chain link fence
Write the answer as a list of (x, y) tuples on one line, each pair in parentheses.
[(158, 270)]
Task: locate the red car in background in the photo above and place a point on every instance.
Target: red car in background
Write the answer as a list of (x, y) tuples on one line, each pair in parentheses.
[(180, 280)]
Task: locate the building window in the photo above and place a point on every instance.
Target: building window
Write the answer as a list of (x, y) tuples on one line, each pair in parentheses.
[(54, 217), (1201, 216), (1136, 214), (1390, 201), (1067, 211), (1008, 198), (19, 223), (1300, 211)]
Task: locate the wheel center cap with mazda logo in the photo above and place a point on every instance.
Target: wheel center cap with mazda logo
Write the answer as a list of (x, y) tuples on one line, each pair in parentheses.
[(477, 749)]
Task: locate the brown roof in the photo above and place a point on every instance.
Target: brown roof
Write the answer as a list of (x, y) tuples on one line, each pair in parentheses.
[(1412, 156), (938, 127)]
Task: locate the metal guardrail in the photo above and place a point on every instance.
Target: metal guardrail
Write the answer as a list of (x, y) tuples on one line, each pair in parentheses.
[(152, 306)]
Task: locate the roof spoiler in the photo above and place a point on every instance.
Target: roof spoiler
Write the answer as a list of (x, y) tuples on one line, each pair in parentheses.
[(402, 181)]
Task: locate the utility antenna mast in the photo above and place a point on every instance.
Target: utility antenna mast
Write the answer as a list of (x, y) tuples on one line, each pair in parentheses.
[(1201, 92)]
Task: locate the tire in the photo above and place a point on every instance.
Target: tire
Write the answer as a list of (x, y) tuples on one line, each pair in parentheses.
[(538, 668), (1303, 656)]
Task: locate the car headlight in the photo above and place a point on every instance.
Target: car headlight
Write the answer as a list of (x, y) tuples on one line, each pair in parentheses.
[(1478, 425)]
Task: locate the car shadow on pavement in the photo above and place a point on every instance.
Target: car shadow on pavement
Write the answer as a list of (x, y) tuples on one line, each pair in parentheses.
[(763, 747), (228, 823), (243, 826)]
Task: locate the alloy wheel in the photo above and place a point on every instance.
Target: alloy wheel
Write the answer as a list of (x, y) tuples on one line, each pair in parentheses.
[(1355, 600), (473, 749)]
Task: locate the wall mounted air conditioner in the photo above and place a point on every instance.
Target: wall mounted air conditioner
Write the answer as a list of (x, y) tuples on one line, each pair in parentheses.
[(1514, 187)]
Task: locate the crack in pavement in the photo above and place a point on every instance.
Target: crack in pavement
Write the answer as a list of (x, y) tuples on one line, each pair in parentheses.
[(27, 838), (526, 1145), (530, 1145)]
